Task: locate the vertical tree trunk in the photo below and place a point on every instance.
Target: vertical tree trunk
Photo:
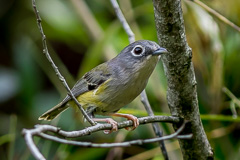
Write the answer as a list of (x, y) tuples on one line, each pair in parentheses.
[(182, 85)]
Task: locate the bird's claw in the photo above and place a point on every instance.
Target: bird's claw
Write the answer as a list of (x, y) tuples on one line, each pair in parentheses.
[(135, 122), (114, 126)]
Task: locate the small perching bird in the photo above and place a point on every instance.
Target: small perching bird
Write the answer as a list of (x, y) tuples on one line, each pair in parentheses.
[(113, 84)]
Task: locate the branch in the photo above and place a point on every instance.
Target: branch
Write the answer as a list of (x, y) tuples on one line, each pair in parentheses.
[(131, 36), (182, 86), (106, 126), (40, 129), (218, 15), (119, 144), (61, 78), (155, 126), (144, 99)]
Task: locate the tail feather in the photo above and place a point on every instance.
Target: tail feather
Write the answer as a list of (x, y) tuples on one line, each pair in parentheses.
[(53, 112)]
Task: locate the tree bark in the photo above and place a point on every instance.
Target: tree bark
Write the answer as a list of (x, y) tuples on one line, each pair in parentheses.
[(182, 85)]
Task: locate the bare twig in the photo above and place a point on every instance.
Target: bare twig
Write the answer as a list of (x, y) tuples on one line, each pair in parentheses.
[(144, 99), (119, 144), (61, 78), (40, 129), (234, 101), (155, 126), (106, 126), (218, 15), (28, 136), (131, 36), (231, 95)]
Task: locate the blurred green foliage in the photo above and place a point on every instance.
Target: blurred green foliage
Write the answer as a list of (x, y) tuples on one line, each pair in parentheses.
[(82, 36)]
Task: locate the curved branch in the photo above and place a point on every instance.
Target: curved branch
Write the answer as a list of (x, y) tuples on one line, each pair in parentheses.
[(119, 144), (100, 126), (40, 129)]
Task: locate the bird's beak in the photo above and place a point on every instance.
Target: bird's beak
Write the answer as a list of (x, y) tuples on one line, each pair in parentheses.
[(159, 51)]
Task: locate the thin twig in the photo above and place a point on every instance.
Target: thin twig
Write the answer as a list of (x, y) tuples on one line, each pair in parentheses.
[(218, 15), (131, 36), (119, 144), (40, 130), (61, 78), (106, 126), (155, 126), (144, 99), (231, 95), (234, 101)]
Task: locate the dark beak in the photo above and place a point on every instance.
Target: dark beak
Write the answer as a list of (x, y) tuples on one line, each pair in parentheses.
[(159, 51)]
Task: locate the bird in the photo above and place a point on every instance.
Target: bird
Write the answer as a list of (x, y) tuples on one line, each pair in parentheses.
[(108, 87)]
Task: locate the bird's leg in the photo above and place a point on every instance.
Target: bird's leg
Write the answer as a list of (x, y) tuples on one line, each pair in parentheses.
[(129, 117), (110, 121)]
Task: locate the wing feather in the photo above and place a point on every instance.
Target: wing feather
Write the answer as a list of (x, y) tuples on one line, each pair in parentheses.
[(90, 81)]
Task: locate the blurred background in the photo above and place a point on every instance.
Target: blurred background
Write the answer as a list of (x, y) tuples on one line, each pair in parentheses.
[(82, 34)]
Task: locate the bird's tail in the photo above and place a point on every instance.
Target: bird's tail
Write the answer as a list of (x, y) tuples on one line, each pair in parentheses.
[(53, 112)]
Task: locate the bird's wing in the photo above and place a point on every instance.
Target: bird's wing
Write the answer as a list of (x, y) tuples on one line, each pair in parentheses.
[(90, 81)]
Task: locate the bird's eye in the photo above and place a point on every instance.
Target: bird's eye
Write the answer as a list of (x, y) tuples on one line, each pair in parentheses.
[(138, 50)]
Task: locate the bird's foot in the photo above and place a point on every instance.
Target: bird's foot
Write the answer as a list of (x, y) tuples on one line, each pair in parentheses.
[(129, 117), (110, 121)]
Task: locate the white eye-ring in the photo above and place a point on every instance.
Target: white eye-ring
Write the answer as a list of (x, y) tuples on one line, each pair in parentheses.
[(138, 50)]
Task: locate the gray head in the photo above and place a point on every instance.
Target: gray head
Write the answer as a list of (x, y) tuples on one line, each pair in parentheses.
[(141, 49), (140, 52)]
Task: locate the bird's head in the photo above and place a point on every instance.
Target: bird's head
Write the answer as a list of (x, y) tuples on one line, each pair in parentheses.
[(141, 53)]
